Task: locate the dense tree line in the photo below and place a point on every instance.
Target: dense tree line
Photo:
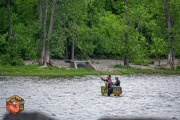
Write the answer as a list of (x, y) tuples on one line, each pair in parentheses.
[(135, 31)]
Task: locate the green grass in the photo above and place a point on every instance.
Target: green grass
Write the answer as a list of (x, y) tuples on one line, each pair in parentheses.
[(118, 66), (130, 71), (148, 71), (157, 71), (33, 70), (37, 71)]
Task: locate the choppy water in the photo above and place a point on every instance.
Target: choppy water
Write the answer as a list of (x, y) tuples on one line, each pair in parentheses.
[(79, 98)]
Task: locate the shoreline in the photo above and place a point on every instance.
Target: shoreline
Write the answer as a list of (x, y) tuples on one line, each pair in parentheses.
[(34, 70)]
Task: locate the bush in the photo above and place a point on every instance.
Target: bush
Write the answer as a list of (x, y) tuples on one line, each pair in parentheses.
[(118, 66), (16, 61), (125, 71), (7, 60), (4, 59), (141, 62), (178, 67)]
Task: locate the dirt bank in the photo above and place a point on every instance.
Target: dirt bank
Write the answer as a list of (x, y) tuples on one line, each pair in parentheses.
[(107, 64)]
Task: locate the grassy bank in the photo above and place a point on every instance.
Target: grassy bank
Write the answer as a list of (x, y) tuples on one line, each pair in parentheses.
[(38, 71), (147, 71), (61, 72)]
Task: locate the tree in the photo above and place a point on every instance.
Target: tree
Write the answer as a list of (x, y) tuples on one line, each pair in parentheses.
[(51, 26), (71, 15), (10, 31), (126, 59), (45, 50), (41, 40), (171, 55)]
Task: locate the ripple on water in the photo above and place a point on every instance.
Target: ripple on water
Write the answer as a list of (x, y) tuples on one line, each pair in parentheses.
[(79, 98)]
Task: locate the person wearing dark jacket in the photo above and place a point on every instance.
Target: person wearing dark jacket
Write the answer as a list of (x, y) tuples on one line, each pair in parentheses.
[(117, 82), (109, 87), (108, 84)]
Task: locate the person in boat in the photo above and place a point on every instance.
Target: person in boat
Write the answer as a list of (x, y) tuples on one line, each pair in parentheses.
[(108, 84), (108, 77), (117, 82)]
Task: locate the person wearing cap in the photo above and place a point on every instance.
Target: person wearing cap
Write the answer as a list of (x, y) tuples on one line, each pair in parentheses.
[(117, 82)]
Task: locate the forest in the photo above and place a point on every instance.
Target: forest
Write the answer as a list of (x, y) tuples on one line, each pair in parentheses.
[(135, 31)]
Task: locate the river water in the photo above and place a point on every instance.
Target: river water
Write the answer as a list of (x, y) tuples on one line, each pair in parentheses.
[(79, 98)]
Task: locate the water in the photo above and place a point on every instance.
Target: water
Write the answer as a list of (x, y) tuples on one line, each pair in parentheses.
[(79, 98)]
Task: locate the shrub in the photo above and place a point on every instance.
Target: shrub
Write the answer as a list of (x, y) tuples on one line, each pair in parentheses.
[(118, 66), (178, 67), (6, 59), (16, 61)]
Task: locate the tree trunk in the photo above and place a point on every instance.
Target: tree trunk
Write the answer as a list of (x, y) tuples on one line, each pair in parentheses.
[(126, 58), (90, 14), (66, 55), (89, 5), (43, 51), (73, 40), (40, 34), (72, 49), (170, 60), (51, 25), (159, 61), (66, 51), (10, 32)]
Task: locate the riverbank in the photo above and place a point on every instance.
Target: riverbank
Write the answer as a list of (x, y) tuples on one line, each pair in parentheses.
[(34, 70)]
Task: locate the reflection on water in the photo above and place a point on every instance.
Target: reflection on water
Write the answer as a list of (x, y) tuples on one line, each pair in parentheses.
[(79, 98)]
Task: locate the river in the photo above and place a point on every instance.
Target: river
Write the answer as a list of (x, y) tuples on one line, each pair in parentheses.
[(79, 98)]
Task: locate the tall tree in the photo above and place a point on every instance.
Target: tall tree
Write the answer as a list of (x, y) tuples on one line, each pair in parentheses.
[(43, 52), (10, 31), (41, 32), (45, 42), (171, 55), (126, 59), (51, 25)]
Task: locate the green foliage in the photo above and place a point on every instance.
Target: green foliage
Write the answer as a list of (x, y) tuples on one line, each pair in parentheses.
[(6, 59), (158, 48), (97, 28), (118, 66), (16, 61), (23, 44), (178, 67), (57, 45), (125, 71), (109, 35), (140, 56), (85, 42), (9, 51), (3, 44)]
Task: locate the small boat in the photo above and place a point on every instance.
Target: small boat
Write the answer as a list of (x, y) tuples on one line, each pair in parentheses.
[(117, 90)]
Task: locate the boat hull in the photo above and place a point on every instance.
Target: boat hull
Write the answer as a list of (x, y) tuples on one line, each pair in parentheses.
[(117, 90)]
